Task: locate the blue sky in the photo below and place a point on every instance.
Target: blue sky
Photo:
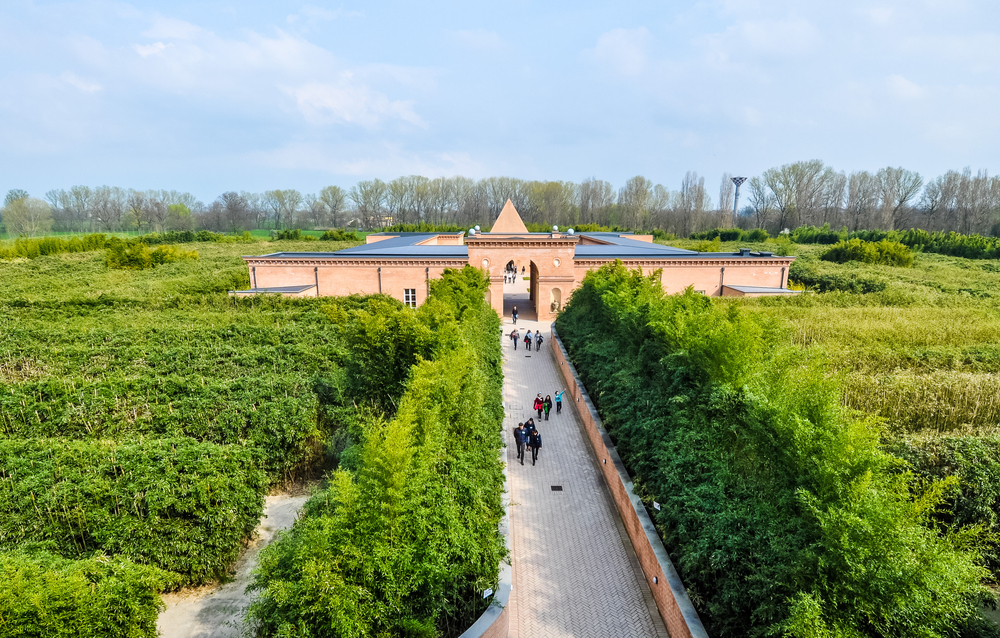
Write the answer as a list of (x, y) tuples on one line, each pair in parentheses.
[(207, 97)]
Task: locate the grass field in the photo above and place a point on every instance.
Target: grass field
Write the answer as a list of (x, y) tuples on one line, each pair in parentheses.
[(923, 352)]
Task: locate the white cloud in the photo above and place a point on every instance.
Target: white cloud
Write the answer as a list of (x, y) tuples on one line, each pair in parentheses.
[(79, 83), (311, 13), (146, 50), (792, 36), (173, 29), (350, 103), (904, 89), (478, 39), (622, 51), (386, 158)]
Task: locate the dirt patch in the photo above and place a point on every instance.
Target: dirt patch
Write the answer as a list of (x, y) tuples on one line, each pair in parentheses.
[(216, 611)]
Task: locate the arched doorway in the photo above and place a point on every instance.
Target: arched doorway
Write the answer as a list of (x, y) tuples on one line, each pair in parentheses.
[(521, 291)]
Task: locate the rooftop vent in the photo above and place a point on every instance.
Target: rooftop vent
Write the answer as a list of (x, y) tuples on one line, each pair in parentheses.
[(766, 254), (744, 252)]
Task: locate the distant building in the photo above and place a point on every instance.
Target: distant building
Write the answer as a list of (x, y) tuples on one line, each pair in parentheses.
[(554, 263)]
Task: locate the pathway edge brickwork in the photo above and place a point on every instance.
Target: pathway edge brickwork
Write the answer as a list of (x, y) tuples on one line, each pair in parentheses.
[(671, 598)]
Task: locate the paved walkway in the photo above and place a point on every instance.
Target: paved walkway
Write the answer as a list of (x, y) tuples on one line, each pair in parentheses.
[(575, 573)]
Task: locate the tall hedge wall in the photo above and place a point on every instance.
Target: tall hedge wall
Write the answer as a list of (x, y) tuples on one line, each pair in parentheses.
[(783, 513)]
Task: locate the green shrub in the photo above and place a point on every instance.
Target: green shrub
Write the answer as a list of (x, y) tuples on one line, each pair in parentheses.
[(804, 271), (45, 595), (339, 234), (712, 246), (756, 235), (177, 504), (785, 516), (883, 252), (814, 235), (288, 234), (405, 544), (274, 413), (975, 462), (122, 255)]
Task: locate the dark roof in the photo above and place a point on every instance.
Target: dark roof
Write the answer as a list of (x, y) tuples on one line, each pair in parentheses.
[(762, 290), (627, 247), (275, 289)]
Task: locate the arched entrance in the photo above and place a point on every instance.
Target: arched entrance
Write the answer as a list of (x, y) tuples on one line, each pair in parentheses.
[(521, 291)]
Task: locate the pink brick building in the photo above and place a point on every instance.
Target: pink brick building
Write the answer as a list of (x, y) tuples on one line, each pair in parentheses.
[(553, 263)]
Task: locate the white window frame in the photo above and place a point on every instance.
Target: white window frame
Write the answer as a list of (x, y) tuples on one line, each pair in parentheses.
[(410, 297)]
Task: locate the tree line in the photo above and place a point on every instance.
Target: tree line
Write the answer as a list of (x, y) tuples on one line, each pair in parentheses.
[(800, 193)]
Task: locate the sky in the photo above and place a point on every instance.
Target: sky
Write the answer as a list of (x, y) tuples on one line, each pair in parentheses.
[(207, 97)]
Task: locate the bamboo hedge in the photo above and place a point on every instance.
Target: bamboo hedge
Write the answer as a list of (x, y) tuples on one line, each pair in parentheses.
[(782, 511), (403, 540)]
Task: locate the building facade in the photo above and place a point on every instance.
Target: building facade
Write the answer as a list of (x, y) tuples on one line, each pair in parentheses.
[(402, 264)]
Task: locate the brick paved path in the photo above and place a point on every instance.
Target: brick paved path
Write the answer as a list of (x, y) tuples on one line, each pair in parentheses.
[(575, 573)]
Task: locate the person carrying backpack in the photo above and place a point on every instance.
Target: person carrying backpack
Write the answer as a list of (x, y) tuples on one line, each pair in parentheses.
[(527, 341), (514, 337)]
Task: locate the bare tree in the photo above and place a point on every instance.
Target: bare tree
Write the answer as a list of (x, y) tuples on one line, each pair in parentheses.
[(282, 204), (727, 191), (23, 215), (135, 203), (369, 202), (862, 199), (897, 187), (634, 200), (761, 201)]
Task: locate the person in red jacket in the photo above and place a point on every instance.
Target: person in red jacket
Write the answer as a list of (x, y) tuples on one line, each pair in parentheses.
[(538, 405)]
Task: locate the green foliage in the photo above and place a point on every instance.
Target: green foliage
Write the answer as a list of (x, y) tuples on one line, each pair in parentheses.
[(975, 462), (180, 505), (31, 248), (339, 234), (805, 272), (885, 252), (756, 235), (784, 515), (288, 234), (822, 235), (45, 595), (422, 227), (122, 255), (712, 246), (945, 243), (404, 544)]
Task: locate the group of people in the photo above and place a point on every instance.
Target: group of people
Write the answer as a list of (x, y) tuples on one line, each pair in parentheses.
[(529, 338), (526, 435), (544, 406)]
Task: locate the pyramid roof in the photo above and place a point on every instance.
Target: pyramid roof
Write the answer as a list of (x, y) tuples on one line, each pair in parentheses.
[(509, 221)]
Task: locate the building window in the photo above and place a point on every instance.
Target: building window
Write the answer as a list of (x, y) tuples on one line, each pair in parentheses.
[(410, 297)]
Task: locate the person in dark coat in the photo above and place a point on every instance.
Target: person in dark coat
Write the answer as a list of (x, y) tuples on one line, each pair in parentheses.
[(538, 340), (513, 315), (514, 337), (529, 425), (547, 406), (538, 405), (520, 438), (535, 441), (527, 340)]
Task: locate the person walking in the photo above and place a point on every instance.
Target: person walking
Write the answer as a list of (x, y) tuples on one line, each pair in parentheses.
[(514, 337), (559, 394), (538, 340), (535, 441), (527, 341), (513, 315), (529, 425), (520, 438), (547, 406), (539, 405)]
